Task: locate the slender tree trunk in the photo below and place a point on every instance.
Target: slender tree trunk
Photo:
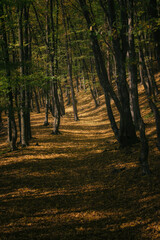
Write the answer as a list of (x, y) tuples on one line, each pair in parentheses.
[(12, 130), (16, 93), (111, 116), (61, 101), (46, 123), (139, 123), (17, 100), (36, 101), (151, 78), (54, 83), (95, 91), (27, 57), (93, 96), (32, 101), (24, 140), (67, 93), (69, 63), (152, 104), (1, 118), (84, 81), (154, 16), (56, 113), (77, 77), (77, 83), (43, 99), (74, 101)]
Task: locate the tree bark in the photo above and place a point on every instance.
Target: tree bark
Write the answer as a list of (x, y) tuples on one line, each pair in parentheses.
[(127, 133), (36, 100), (12, 129), (61, 100), (54, 82), (127, 128), (152, 104), (139, 123), (69, 63), (153, 15), (24, 140), (27, 57)]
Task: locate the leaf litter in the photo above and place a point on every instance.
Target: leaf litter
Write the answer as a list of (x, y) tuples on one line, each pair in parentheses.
[(79, 185)]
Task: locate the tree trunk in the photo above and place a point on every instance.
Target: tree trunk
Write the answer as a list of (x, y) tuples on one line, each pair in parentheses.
[(12, 130), (69, 63), (36, 101), (24, 141), (74, 101), (127, 128), (46, 123), (127, 133), (27, 57), (54, 83), (95, 91), (32, 101), (139, 123), (61, 101), (1, 118), (93, 96), (152, 104), (17, 103), (77, 83), (154, 16), (56, 113), (67, 89)]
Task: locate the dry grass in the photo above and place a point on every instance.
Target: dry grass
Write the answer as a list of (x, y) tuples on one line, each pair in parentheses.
[(71, 186)]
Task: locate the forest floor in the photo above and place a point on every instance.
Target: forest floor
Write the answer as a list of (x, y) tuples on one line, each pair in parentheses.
[(79, 184)]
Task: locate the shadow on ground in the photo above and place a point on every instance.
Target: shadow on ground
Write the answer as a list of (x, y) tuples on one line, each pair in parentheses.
[(78, 185)]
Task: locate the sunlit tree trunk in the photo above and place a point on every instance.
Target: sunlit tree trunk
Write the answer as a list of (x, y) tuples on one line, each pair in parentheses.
[(23, 137)]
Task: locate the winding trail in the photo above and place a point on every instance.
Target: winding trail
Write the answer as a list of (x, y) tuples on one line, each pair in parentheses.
[(72, 186)]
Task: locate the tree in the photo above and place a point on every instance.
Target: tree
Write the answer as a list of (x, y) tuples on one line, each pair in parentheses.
[(23, 137), (126, 135), (12, 129), (139, 123), (69, 61)]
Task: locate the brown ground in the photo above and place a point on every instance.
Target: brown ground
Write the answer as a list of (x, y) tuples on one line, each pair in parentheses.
[(79, 185)]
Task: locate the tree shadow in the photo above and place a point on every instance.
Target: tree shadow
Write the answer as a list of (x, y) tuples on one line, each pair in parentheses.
[(78, 185)]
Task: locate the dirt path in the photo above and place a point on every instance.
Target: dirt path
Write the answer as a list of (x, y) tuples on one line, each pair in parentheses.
[(77, 185)]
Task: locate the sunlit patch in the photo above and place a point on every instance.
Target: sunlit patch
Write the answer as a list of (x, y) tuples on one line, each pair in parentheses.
[(126, 165), (133, 224), (149, 198)]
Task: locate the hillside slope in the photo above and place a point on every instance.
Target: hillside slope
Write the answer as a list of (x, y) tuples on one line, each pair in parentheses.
[(79, 184)]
